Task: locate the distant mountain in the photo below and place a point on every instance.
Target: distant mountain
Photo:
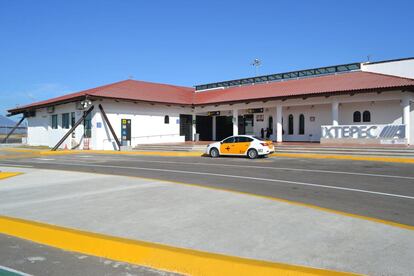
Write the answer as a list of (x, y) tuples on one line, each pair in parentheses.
[(7, 124), (4, 121)]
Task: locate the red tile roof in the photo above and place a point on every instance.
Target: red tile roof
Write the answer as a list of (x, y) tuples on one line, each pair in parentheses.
[(340, 83), (128, 90), (162, 93)]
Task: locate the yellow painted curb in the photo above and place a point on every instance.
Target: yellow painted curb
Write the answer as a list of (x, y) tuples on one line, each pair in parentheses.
[(197, 154), (346, 157), (162, 257), (4, 175), (151, 153)]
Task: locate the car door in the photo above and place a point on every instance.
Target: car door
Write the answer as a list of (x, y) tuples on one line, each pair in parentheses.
[(227, 146), (242, 144)]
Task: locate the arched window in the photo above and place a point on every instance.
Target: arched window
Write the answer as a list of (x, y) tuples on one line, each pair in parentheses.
[(290, 124), (366, 116), (166, 119), (301, 124), (357, 117)]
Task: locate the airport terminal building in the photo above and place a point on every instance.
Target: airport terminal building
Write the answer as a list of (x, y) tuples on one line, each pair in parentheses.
[(357, 103)]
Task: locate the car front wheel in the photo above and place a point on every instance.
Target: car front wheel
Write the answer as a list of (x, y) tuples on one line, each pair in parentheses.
[(214, 153), (252, 153)]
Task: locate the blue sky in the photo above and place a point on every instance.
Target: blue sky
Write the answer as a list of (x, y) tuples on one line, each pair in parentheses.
[(48, 48)]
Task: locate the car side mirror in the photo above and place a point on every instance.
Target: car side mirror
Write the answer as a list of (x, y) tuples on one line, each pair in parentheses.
[(221, 142)]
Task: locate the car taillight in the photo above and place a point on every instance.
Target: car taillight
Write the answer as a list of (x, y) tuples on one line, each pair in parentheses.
[(264, 144)]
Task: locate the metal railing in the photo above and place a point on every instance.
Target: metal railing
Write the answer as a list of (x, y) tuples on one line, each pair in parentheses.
[(19, 135), (155, 138)]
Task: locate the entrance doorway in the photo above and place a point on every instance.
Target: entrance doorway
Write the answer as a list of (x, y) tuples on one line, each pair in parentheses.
[(204, 125), (224, 127), (246, 124), (186, 128)]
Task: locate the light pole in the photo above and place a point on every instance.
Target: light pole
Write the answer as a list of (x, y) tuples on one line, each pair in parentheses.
[(256, 63)]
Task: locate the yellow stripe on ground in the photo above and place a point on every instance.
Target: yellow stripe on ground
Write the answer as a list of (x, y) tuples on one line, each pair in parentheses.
[(162, 257), (4, 175), (347, 157), (196, 154), (152, 153)]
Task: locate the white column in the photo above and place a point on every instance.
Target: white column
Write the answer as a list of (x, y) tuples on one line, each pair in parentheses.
[(279, 127), (193, 124), (214, 128), (235, 122), (406, 118), (335, 113)]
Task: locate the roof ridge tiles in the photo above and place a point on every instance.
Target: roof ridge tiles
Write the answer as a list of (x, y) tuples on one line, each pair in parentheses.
[(171, 94)]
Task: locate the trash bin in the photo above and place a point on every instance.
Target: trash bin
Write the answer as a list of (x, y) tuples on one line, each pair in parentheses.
[(196, 137)]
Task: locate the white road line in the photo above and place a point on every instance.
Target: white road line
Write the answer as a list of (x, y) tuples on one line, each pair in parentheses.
[(13, 271), (44, 159), (262, 167), (356, 153), (18, 166), (241, 177), (78, 195)]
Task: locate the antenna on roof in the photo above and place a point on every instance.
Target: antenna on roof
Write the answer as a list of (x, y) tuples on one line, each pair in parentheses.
[(256, 63), (368, 58), (130, 77)]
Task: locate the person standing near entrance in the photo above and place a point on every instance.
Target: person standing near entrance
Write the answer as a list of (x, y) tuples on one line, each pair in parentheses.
[(269, 132)]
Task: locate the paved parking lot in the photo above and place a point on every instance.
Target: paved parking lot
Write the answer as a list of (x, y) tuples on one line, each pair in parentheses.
[(373, 189), (188, 216)]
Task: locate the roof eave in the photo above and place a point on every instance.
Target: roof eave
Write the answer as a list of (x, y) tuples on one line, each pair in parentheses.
[(20, 110), (408, 88), (16, 111)]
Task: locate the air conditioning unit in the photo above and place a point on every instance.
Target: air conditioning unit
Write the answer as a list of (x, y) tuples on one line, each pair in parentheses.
[(50, 109)]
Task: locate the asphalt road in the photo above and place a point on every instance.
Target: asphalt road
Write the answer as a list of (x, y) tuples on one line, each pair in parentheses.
[(374, 189), (35, 259)]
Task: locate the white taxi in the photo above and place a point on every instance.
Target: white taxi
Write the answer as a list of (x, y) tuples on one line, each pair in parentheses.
[(241, 145)]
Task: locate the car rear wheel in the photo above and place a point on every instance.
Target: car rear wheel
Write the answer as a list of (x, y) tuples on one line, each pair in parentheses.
[(214, 153), (252, 153)]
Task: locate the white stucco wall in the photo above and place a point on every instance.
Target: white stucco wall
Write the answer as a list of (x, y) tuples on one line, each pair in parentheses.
[(412, 121), (148, 120), (321, 114), (40, 132), (385, 108), (402, 68), (382, 112), (147, 123)]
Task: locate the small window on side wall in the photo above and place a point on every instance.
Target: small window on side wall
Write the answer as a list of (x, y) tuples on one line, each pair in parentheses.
[(166, 119), (366, 116), (65, 120), (54, 121), (357, 117)]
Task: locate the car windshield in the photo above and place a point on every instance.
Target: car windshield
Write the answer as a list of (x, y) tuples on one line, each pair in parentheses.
[(258, 138)]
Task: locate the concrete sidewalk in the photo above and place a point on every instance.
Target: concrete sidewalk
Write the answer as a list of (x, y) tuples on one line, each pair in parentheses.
[(208, 220)]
